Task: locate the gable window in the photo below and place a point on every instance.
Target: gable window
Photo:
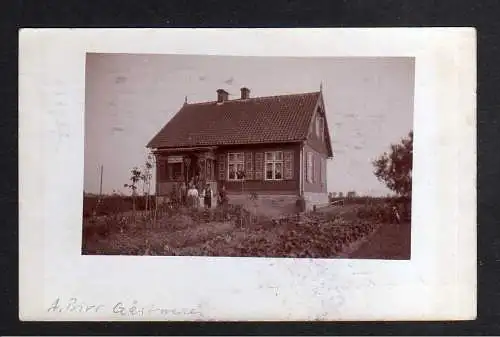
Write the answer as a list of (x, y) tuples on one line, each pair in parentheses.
[(309, 171), (320, 127), (274, 165), (235, 164)]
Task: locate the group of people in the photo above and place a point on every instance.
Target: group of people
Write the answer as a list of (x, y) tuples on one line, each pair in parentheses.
[(192, 196)]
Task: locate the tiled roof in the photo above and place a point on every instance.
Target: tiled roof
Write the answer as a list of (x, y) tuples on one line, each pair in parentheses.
[(272, 119)]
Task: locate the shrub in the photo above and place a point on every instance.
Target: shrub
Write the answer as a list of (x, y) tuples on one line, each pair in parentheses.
[(300, 204)]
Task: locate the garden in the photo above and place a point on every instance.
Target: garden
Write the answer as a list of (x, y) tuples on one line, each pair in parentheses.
[(333, 231)]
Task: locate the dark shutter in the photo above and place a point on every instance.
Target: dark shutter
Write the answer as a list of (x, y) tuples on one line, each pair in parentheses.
[(249, 165), (259, 166), (305, 162), (288, 164), (313, 160), (221, 163), (161, 169)]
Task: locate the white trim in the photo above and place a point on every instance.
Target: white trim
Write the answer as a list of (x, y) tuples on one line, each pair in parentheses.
[(175, 159)]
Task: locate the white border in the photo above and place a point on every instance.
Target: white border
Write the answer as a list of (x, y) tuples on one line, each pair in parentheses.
[(438, 283)]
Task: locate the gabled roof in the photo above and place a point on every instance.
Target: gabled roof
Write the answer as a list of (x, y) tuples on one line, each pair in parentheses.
[(272, 119)]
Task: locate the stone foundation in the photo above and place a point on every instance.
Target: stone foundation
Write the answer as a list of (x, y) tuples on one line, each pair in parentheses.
[(315, 199), (273, 205)]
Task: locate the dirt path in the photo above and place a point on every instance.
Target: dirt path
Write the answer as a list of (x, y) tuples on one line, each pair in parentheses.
[(389, 242)]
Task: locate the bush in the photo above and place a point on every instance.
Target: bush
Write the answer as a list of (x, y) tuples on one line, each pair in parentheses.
[(300, 204), (379, 213)]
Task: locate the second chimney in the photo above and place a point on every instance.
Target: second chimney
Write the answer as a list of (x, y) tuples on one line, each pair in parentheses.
[(245, 93), (222, 95)]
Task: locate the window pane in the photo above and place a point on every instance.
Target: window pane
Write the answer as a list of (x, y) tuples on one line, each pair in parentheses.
[(269, 171), (232, 172), (209, 169), (278, 171), (269, 155), (175, 171), (279, 155), (231, 157), (169, 171)]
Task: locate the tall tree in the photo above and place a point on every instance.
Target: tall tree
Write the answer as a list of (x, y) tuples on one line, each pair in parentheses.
[(394, 168)]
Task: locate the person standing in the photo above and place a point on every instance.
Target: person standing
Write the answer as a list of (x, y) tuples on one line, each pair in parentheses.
[(192, 196), (222, 195), (207, 196), (183, 190)]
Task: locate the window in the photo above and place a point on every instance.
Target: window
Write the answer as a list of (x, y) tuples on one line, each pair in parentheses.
[(235, 165), (309, 171), (174, 171), (274, 165), (320, 127), (210, 169)]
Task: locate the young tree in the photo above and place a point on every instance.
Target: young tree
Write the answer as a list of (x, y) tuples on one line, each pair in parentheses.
[(394, 169), (146, 180), (135, 178)]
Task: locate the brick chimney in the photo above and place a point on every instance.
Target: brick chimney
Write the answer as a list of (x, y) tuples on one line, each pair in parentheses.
[(245, 93), (222, 95)]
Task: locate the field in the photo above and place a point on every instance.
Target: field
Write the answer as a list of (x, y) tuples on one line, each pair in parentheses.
[(362, 229)]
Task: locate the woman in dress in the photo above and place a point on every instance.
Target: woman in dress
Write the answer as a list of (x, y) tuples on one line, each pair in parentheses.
[(192, 196), (207, 196)]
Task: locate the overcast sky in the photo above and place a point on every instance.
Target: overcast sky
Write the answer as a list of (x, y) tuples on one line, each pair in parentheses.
[(129, 97)]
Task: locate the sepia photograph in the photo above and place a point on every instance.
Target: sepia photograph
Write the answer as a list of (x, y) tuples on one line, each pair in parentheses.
[(198, 155), (247, 174)]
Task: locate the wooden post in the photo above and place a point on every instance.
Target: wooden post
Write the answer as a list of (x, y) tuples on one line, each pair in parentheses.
[(100, 185), (99, 199)]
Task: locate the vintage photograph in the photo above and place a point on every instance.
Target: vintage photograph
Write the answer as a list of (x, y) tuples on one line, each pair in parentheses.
[(326, 174), (198, 155)]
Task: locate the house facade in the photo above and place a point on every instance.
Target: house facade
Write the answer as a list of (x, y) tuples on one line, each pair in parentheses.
[(274, 147)]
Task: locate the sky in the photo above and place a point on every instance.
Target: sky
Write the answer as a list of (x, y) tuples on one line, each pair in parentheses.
[(130, 97)]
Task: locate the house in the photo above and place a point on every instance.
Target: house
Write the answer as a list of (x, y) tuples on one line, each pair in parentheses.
[(280, 143)]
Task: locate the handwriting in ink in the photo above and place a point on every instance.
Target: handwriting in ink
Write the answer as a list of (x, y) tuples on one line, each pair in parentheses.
[(73, 305)]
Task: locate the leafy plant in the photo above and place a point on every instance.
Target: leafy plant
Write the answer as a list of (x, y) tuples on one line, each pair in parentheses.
[(135, 178), (146, 177)]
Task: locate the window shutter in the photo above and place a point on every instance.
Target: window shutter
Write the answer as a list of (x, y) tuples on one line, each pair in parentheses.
[(248, 166), (161, 169), (308, 168), (306, 160), (288, 164), (259, 166), (314, 167), (222, 166), (321, 170)]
